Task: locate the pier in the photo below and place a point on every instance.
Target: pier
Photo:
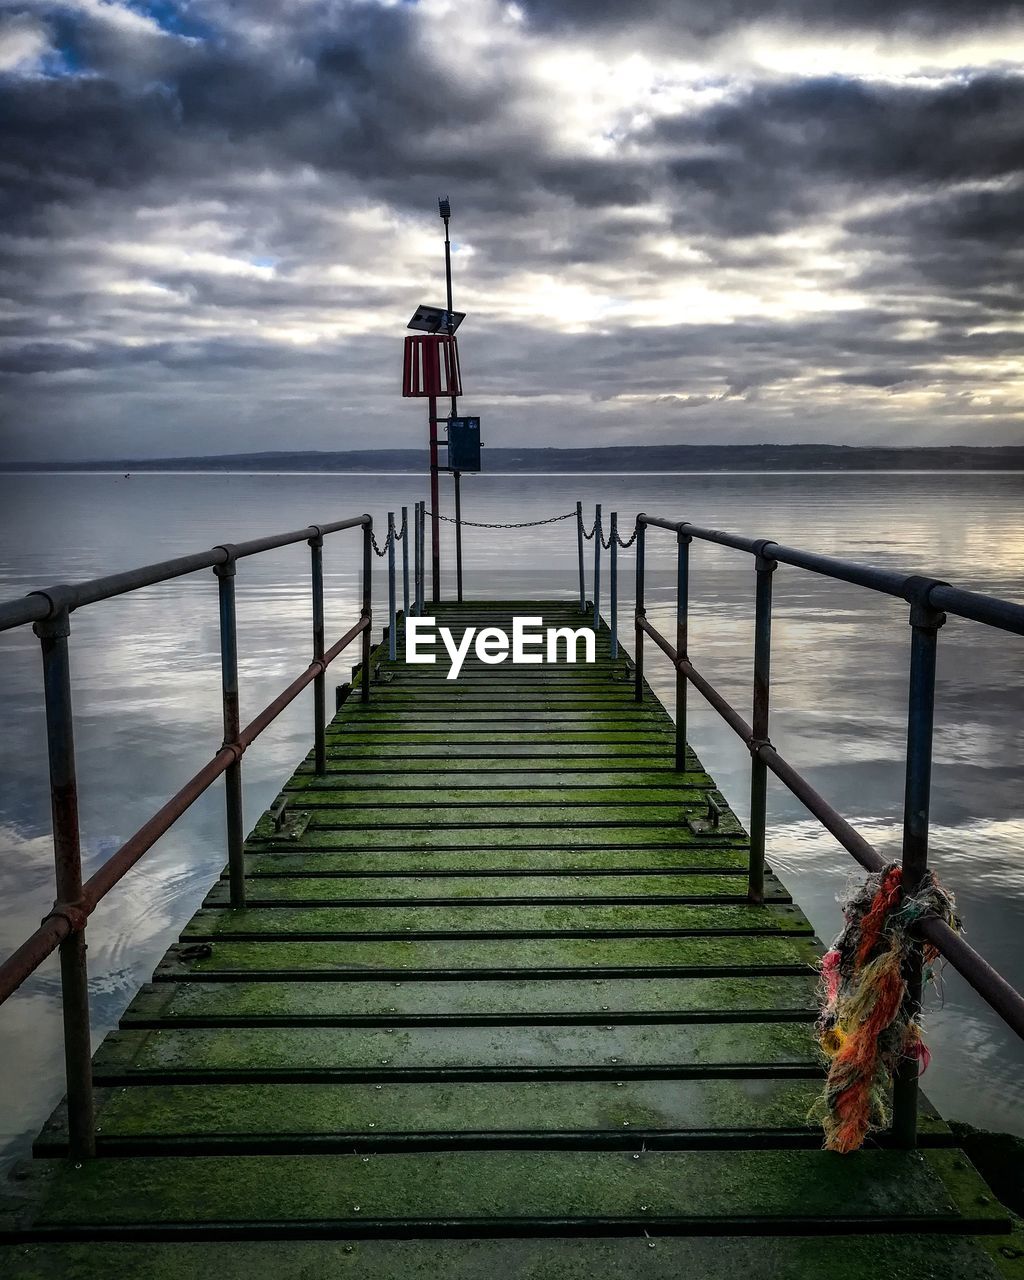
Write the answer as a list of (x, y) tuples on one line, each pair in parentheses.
[(499, 984)]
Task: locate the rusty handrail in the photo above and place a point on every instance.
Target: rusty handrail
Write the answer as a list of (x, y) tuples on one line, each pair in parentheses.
[(929, 599), (64, 926)]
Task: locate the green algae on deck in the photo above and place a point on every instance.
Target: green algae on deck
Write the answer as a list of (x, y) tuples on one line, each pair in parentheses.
[(494, 972), (704, 956), (906, 1257), (571, 1050), (678, 1188), (593, 998), (498, 920)]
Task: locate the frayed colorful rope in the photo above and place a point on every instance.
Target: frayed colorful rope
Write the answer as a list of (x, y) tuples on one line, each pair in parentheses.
[(865, 1028)]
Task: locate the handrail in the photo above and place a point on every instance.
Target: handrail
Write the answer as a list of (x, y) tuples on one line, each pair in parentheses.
[(64, 926), (914, 588), (930, 599), (49, 601)]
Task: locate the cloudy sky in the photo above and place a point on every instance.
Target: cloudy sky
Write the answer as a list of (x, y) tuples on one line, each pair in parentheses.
[(675, 220)]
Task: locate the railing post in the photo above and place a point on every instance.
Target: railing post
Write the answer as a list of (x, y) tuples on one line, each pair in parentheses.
[(67, 856), (458, 536), (421, 585), (597, 567), (405, 564), (225, 574), (640, 612), (367, 609), (579, 551), (316, 546), (683, 541), (613, 582), (764, 569), (392, 603), (925, 622), (415, 559)]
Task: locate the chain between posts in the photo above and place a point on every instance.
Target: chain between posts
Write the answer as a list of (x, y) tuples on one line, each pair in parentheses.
[(523, 524), (394, 536), (613, 534)]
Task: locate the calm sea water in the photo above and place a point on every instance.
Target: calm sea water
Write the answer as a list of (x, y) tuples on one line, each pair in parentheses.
[(147, 699)]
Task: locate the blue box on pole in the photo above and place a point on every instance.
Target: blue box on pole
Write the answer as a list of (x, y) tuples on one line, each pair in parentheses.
[(464, 444)]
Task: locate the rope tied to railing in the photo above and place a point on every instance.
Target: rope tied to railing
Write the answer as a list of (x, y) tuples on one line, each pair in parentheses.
[(867, 1026)]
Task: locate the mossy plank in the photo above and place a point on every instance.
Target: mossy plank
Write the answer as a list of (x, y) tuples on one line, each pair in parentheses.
[(464, 1108), (469, 918), (561, 841), (317, 857), (510, 718), (311, 890), (299, 1051), (720, 956), (468, 818), (606, 999), (869, 1190), (328, 794), (349, 747), (434, 779), (847, 1257)]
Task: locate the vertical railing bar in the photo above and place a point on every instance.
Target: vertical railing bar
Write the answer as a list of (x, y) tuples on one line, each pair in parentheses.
[(764, 570), (67, 857), (392, 601), (613, 583), (422, 590), (597, 566), (682, 640), (316, 547), (579, 550), (225, 574), (925, 622), (416, 558), (405, 564), (640, 612), (367, 608), (458, 536)]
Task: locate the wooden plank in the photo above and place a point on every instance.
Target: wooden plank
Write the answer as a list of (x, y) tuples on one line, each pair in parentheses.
[(365, 1113), (504, 1003), (622, 957), (656, 1257), (467, 919), (321, 891), (324, 792), (321, 1052), (318, 855), (552, 1191)]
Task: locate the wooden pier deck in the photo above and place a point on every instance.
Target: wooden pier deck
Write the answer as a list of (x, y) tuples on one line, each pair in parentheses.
[(492, 1008)]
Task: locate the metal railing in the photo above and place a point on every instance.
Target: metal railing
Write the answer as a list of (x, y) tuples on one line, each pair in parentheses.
[(930, 599), (64, 927), (50, 609)]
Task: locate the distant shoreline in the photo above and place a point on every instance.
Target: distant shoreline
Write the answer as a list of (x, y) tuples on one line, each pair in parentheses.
[(721, 471), (610, 460)]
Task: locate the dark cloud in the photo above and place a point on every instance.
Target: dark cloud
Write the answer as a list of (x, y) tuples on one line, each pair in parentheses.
[(695, 20), (198, 207)]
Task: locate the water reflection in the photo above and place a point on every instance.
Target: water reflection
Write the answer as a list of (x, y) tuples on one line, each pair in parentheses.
[(147, 698)]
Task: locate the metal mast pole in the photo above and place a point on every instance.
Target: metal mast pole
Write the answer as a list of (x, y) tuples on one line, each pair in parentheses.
[(445, 208)]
